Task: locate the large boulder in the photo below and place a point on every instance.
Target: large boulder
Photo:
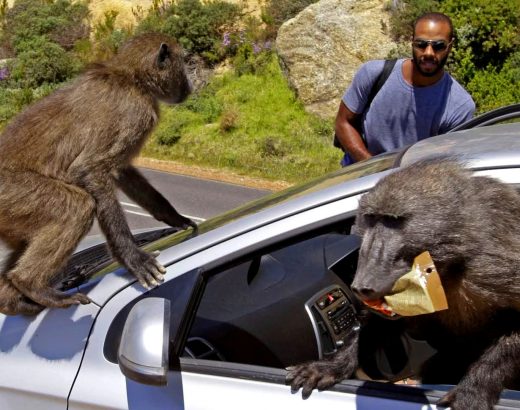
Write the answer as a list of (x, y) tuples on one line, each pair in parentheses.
[(322, 48)]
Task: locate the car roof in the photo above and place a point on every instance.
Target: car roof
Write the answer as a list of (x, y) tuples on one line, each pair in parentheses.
[(492, 146)]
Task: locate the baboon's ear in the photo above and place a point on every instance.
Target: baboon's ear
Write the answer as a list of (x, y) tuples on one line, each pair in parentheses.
[(164, 53)]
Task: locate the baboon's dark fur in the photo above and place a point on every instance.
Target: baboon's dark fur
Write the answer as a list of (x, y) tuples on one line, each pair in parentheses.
[(471, 227), (61, 159)]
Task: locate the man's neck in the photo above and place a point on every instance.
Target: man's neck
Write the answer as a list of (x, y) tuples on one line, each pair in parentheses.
[(414, 77)]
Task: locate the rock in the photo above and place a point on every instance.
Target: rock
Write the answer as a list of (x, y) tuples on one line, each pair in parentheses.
[(322, 48)]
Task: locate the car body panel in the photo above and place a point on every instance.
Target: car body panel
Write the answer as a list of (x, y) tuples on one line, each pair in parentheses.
[(191, 390), (496, 146), (40, 356)]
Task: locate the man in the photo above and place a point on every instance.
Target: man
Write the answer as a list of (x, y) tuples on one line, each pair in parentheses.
[(418, 100)]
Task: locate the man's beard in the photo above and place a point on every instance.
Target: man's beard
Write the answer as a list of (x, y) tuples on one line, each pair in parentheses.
[(438, 64)]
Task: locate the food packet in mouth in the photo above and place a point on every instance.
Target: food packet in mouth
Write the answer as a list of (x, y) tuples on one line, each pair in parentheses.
[(417, 292)]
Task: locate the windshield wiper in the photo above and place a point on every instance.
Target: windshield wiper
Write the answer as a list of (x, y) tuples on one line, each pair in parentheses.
[(82, 265)]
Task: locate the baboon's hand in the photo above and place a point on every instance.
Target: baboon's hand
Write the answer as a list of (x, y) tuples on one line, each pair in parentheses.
[(177, 220), (464, 397), (189, 223), (145, 268), (320, 374)]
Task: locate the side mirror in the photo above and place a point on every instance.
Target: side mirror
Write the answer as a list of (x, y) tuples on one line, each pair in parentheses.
[(143, 349)]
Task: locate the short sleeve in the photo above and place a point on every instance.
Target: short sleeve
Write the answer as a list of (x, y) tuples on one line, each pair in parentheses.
[(356, 95)]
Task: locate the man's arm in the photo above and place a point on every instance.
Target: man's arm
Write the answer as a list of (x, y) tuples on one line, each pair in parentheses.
[(348, 135)]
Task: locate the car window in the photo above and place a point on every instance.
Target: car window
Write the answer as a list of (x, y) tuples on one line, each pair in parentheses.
[(265, 309)]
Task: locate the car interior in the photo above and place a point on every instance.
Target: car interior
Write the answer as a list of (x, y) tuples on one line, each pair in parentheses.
[(292, 303)]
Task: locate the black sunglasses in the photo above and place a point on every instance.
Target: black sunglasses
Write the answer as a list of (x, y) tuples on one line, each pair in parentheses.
[(437, 45)]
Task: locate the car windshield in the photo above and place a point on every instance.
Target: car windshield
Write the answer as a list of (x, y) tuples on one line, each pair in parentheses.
[(96, 261)]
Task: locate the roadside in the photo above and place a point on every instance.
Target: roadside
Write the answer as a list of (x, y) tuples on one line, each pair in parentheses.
[(210, 173)]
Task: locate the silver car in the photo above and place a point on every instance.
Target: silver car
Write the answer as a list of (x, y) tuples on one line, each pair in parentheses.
[(241, 301)]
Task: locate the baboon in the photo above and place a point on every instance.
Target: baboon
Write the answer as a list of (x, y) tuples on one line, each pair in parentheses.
[(471, 227), (61, 160)]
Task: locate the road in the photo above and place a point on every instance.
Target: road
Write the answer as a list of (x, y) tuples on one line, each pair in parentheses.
[(195, 198)]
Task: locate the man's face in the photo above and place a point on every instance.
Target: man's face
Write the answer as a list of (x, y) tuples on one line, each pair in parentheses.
[(431, 46)]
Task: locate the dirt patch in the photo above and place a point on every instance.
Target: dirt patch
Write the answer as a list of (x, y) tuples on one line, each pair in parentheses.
[(211, 173)]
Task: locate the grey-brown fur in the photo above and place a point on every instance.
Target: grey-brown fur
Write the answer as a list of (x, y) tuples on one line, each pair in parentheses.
[(61, 160), (471, 227)]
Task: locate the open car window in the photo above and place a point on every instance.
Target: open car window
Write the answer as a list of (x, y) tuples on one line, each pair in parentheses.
[(291, 303)]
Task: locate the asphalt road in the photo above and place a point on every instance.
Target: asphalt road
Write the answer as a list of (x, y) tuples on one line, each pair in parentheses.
[(195, 198)]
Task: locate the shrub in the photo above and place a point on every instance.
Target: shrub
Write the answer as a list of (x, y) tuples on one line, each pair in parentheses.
[(13, 101), (271, 147), (276, 12), (61, 21), (229, 120), (205, 104), (488, 28), (41, 61), (40, 36), (197, 25), (492, 88)]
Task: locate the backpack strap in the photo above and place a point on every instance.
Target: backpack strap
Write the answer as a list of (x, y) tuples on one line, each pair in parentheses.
[(387, 69), (378, 84)]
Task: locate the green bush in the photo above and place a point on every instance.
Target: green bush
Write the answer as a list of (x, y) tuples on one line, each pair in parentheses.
[(205, 104), (198, 26), (61, 21), (172, 125), (41, 61), (41, 35), (252, 58), (486, 30), (276, 12), (492, 88), (12, 101)]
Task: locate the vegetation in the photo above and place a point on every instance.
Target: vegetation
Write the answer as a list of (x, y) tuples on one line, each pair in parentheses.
[(198, 26), (247, 122), (246, 119), (276, 12)]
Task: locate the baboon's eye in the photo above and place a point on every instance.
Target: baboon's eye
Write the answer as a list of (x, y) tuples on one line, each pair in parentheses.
[(370, 219), (392, 221)]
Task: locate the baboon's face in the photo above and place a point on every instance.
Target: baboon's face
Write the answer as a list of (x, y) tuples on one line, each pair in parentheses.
[(384, 255), (408, 212)]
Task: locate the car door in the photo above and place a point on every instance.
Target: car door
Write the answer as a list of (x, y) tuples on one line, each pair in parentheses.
[(195, 383), (40, 356), (204, 384)]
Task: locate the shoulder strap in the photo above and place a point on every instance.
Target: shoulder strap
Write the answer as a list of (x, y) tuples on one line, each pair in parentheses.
[(381, 79), (387, 69)]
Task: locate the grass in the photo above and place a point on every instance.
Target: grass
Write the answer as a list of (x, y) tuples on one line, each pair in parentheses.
[(250, 124)]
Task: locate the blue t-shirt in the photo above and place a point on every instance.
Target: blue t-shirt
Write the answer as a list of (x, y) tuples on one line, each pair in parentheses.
[(401, 114)]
